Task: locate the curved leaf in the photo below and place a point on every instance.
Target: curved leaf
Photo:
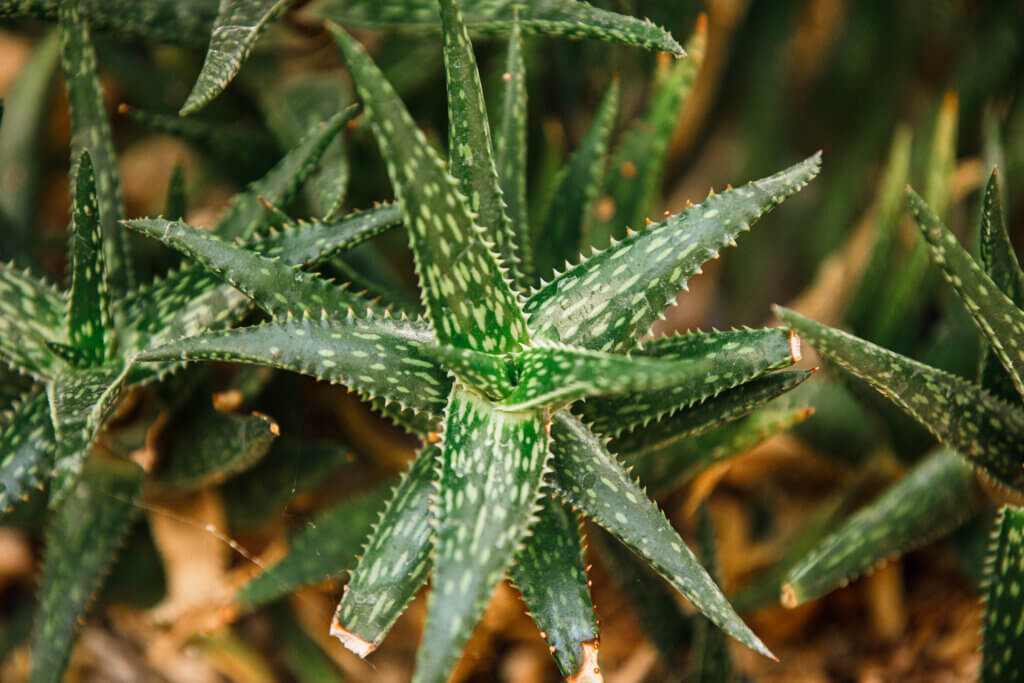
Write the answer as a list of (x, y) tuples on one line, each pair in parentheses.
[(510, 149), (27, 450), (1004, 605)]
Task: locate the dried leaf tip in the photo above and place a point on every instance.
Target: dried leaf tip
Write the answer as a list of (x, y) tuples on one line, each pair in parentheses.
[(788, 597), (590, 670), (351, 641), (794, 346)]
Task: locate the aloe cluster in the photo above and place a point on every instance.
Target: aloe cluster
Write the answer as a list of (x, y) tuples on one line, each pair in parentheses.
[(493, 376)]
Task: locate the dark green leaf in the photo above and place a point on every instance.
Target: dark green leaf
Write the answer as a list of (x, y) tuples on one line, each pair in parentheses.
[(983, 429), (468, 298), (394, 563), (934, 498), (510, 149), (591, 479), (610, 300), (81, 542), (1003, 659), (567, 18), (710, 661), (489, 477), (27, 449), (235, 30), (31, 314), (552, 579), (89, 324), (177, 198)]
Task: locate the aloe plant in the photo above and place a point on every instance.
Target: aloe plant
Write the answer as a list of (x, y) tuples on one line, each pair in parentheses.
[(491, 377), (982, 422)]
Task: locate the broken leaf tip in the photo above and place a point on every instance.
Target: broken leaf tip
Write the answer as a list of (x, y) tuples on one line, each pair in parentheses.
[(351, 641), (590, 670)]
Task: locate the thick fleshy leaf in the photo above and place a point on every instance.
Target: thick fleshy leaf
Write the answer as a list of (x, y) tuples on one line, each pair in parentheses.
[(80, 402), (325, 548), (664, 470), (81, 542), (609, 301), (468, 299), (31, 314), (934, 498), (491, 375), (89, 324), (176, 204), (90, 131), (510, 149), (591, 479), (24, 106), (550, 574), (729, 359), (163, 20), (235, 30), (470, 152), (576, 189), (632, 185), (210, 446), (710, 661), (567, 18), (1002, 658), (999, 261), (27, 449), (715, 412), (488, 488), (291, 468), (984, 429), (394, 563), (280, 289), (995, 314)]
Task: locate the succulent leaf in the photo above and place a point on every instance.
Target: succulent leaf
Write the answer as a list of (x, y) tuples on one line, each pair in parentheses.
[(80, 402), (458, 271), (934, 498), (995, 314), (393, 565), (33, 314), (590, 478), (470, 152), (510, 150), (710, 661), (1004, 606), (162, 20), (488, 487), (728, 359), (565, 18), (90, 131), (982, 428), (238, 25), (82, 540), (27, 449), (376, 357), (89, 324), (322, 550), (552, 579), (576, 188), (610, 300)]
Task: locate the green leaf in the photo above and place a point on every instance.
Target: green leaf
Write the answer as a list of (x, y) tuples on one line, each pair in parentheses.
[(589, 477), (235, 30), (32, 313), (1004, 606), (510, 149), (610, 300), (566, 18), (81, 542), (664, 470), (24, 106), (576, 189), (493, 376), (208, 447), (27, 449), (90, 131), (634, 177), (468, 299), (488, 488), (176, 205), (994, 313), (933, 499), (162, 20), (727, 359), (710, 661), (394, 563), (983, 429), (552, 579), (470, 153), (89, 323), (712, 413), (323, 549), (292, 467), (80, 402), (376, 357)]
